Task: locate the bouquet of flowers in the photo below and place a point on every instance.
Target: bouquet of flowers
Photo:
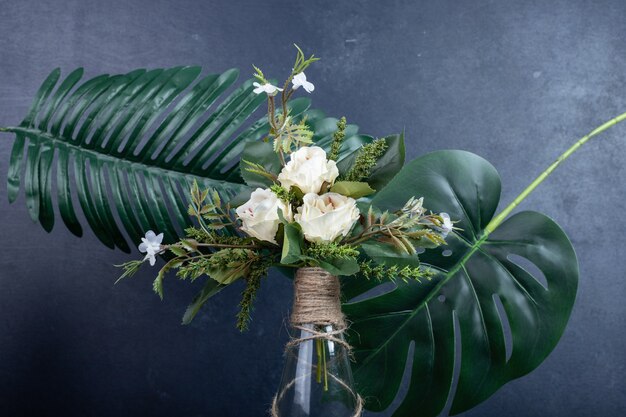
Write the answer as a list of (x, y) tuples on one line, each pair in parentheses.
[(339, 211), (309, 209), (310, 212)]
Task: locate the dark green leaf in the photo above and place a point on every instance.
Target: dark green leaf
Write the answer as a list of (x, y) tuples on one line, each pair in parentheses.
[(211, 288), (352, 189), (178, 251), (388, 165), (385, 254), (261, 153), (474, 276), (340, 266), (292, 244)]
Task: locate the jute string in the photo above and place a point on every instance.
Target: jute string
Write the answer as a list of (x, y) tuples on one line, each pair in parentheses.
[(317, 302)]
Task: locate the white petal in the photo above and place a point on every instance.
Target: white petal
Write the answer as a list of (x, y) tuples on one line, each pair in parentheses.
[(299, 79), (151, 258), (159, 238), (271, 89), (150, 235), (143, 247)]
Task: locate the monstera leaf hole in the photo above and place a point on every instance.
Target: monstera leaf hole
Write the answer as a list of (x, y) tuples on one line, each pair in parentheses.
[(529, 267), (506, 327)]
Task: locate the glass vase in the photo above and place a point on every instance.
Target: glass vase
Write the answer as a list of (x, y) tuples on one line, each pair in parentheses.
[(317, 377)]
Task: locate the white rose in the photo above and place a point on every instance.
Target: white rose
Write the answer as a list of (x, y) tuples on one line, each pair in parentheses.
[(308, 169), (259, 215), (324, 217)]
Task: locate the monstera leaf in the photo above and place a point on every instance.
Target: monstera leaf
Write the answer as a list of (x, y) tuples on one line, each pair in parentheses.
[(129, 146), (495, 310)]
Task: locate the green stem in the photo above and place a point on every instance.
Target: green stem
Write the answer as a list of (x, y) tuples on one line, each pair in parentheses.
[(224, 245), (325, 367), (495, 222), (318, 345)]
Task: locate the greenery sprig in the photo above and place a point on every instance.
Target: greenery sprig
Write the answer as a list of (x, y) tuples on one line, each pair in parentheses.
[(405, 229), (365, 160), (331, 250), (338, 138), (382, 272), (256, 273)]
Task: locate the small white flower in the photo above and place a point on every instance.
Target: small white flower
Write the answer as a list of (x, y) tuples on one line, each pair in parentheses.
[(300, 80), (446, 225), (325, 217), (259, 215), (265, 88), (308, 169), (151, 245)]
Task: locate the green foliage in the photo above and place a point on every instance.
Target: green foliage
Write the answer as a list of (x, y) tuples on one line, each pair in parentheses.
[(260, 170), (293, 244), (224, 266), (332, 250), (212, 237), (352, 189), (258, 271), (302, 62), (404, 230), (130, 268), (385, 254), (207, 205), (211, 287), (337, 259), (338, 137), (157, 285), (471, 275), (386, 166), (389, 164), (290, 136), (339, 266), (259, 164), (284, 194), (393, 272), (145, 135), (259, 76), (365, 160)]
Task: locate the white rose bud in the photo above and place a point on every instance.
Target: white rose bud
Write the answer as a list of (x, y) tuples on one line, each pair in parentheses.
[(259, 215), (308, 169), (325, 217)]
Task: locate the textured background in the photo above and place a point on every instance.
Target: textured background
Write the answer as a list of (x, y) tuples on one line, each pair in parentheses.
[(514, 81)]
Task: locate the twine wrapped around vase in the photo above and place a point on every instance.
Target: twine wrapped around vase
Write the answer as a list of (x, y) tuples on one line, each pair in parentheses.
[(317, 302)]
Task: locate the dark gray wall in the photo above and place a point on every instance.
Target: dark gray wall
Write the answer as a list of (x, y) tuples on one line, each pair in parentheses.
[(514, 81)]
